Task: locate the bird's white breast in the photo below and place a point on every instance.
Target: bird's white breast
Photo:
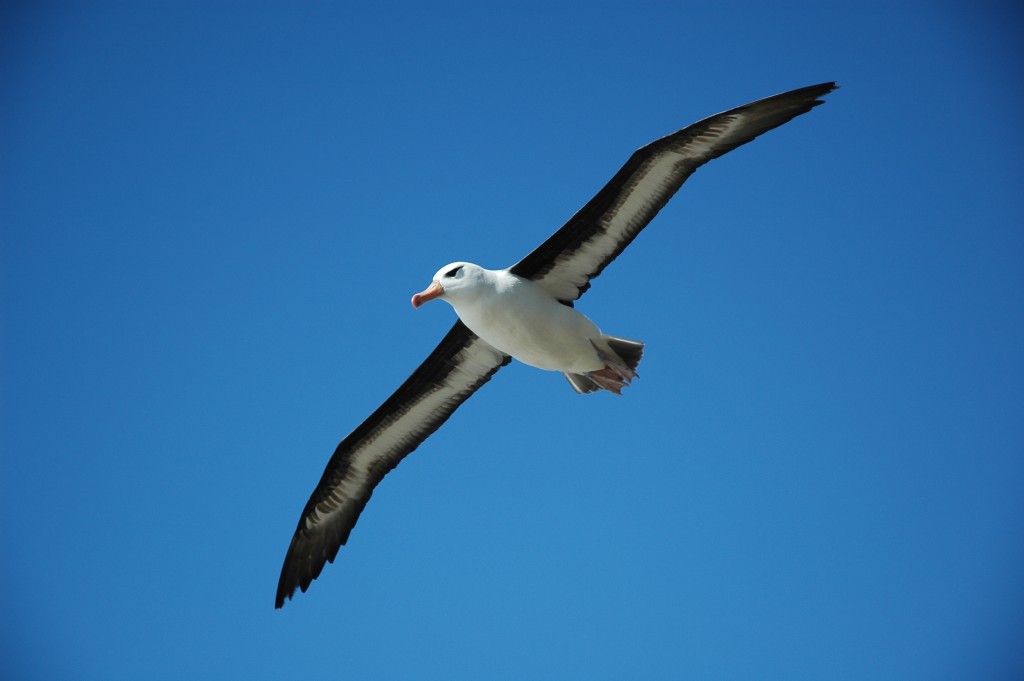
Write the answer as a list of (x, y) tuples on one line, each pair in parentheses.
[(523, 320)]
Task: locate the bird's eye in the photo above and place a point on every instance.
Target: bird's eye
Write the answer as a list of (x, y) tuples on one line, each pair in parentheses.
[(453, 271)]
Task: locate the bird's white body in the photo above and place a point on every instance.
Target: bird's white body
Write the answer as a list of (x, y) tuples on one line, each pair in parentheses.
[(521, 319)]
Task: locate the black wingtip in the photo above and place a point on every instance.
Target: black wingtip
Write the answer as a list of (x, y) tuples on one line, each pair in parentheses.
[(818, 91), (284, 592), (282, 596), (806, 98), (825, 87), (298, 573), (809, 96)]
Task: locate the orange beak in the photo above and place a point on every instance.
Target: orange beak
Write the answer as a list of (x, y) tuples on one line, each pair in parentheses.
[(432, 291)]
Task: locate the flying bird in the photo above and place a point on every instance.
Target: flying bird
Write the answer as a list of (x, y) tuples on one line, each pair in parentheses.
[(524, 312)]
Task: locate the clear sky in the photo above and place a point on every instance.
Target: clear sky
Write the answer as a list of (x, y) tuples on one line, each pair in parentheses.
[(213, 217)]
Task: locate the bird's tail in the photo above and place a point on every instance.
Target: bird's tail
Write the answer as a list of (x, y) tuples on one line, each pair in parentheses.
[(620, 356)]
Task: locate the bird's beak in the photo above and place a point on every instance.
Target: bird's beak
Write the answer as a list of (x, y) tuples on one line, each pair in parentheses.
[(433, 291)]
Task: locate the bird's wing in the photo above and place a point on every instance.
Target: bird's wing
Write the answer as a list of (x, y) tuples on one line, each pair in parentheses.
[(459, 365), (593, 237)]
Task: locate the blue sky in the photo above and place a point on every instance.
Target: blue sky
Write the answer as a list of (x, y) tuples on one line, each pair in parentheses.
[(214, 214)]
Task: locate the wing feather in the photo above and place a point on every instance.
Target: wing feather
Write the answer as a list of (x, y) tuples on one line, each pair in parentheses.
[(457, 367), (579, 251)]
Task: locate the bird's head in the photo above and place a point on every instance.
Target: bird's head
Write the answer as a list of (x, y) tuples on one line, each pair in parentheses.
[(452, 282)]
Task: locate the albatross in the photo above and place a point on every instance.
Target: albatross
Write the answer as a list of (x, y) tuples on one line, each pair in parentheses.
[(523, 312)]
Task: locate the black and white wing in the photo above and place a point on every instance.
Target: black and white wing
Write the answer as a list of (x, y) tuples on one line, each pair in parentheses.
[(593, 237), (459, 365)]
